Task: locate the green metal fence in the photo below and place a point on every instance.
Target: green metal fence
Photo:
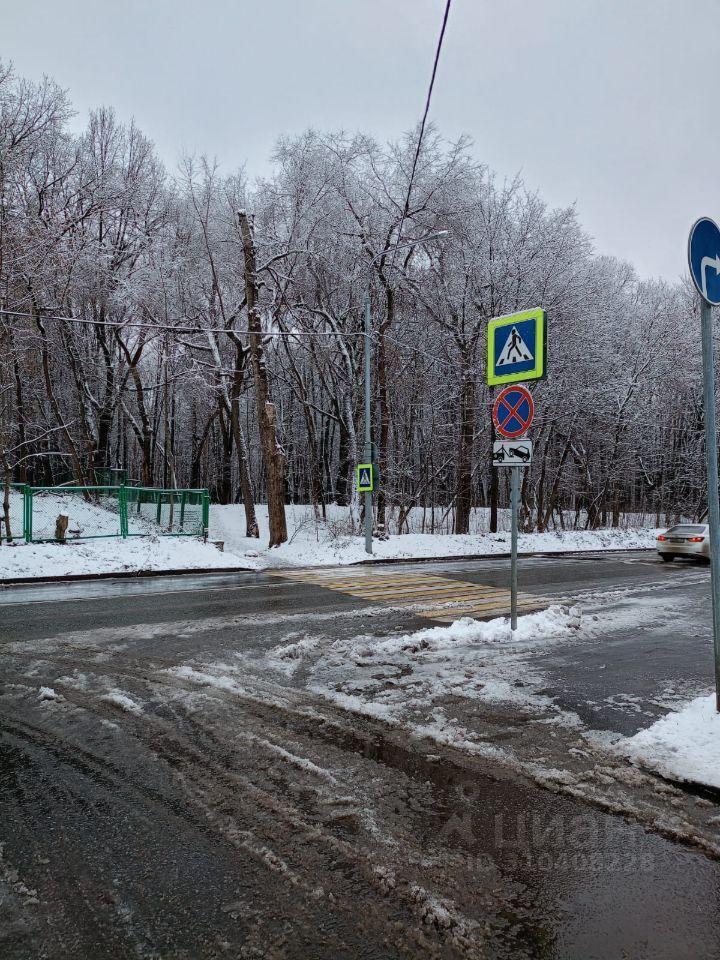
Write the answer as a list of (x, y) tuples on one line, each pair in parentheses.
[(108, 511)]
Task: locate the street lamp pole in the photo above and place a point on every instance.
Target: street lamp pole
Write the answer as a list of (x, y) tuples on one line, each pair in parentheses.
[(368, 419), (368, 408)]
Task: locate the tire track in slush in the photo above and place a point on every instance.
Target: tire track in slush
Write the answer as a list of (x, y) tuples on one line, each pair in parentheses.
[(224, 804)]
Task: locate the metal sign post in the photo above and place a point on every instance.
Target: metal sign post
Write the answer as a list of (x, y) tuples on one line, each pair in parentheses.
[(516, 351), (704, 257), (712, 480), (368, 427), (513, 412), (514, 501)]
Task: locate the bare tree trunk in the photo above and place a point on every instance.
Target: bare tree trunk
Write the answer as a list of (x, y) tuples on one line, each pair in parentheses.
[(273, 455), (50, 391), (227, 439), (463, 494), (494, 476), (251, 525), (342, 481), (6, 506), (246, 489)]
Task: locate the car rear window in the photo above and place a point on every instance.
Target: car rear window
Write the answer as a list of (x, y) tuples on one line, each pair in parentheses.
[(687, 530)]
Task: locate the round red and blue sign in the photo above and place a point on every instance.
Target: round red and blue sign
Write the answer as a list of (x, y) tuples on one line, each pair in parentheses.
[(513, 412)]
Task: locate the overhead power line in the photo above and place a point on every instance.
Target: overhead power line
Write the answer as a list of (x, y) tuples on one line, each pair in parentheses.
[(423, 124), (173, 328)]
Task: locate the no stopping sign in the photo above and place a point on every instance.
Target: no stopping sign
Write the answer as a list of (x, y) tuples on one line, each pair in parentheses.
[(513, 412)]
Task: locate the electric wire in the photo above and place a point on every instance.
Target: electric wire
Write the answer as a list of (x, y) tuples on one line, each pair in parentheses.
[(421, 134)]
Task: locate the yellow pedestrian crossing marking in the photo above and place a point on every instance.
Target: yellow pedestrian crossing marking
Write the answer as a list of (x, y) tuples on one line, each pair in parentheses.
[(437, 598)]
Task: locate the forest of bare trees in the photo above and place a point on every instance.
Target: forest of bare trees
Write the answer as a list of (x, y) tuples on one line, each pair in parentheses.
[(204, 330)]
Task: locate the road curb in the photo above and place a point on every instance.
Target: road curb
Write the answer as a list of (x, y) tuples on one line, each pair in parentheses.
[(382, 561), (695, 788), (498, 556), (123, 575)]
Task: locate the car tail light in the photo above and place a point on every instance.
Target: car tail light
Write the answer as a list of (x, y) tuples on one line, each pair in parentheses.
[(695, 539), (661, 537)]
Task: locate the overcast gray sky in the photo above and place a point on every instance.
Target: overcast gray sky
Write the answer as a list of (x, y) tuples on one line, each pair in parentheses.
[(611, 104)]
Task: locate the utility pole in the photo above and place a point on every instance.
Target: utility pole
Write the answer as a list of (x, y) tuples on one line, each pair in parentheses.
[(368, 426)]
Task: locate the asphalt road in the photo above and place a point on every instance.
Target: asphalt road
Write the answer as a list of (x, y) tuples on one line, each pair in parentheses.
[(657, 617), (148, 813)]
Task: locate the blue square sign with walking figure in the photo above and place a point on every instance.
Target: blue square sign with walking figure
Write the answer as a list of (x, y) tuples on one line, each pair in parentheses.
[(516, 348)]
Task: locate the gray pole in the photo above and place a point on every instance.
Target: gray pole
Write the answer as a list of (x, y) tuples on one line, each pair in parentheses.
[(514, 497), (368, 434), (712, 480)]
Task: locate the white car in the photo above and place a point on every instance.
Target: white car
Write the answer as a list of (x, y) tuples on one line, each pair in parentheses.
[(685, 540)]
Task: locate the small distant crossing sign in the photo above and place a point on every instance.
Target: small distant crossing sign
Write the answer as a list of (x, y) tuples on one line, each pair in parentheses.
[(365, 478), (516, 348)]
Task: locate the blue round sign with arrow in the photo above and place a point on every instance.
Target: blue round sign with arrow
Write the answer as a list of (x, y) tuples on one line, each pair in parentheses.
[(704, 258)]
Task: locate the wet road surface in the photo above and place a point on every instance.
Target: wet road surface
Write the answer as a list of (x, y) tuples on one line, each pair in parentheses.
[(148, 812)]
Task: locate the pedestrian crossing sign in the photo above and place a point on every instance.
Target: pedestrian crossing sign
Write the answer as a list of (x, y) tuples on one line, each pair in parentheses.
[(365, 478), (517, 348)]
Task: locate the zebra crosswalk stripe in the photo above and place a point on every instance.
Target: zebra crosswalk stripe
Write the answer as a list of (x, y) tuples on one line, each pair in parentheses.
[(434, 597)]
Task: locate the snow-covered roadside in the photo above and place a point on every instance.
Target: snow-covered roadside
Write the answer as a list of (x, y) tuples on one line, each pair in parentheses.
[(113, 555), (684, 745), (311, 543), (317, 543)]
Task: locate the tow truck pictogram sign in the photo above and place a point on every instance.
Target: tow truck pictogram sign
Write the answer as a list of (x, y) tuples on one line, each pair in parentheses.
[(512, 453)]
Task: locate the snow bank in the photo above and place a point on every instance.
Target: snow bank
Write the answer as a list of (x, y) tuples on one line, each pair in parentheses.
[(323, 543), (684, 745), (535, 627), (312, 542), (403, 678), (110, 556)]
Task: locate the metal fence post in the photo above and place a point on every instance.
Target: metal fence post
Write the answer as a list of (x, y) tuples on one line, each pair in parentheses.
[(206, 513), (122, 503), (29, 513), (182, 510)]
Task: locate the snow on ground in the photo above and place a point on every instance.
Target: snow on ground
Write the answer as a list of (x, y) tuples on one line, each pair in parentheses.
[(121, 700), (407, 678), (400, 677), (312, 542), (325, 543), (684, 745), (84, 518), (110, 556)]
